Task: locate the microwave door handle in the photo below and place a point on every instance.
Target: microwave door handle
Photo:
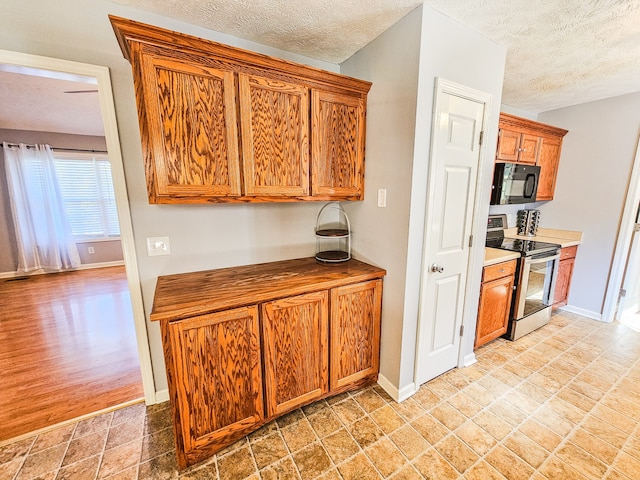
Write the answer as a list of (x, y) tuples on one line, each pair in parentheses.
[(529, 185)]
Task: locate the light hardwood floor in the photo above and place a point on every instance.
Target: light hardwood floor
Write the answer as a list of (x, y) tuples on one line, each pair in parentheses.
[(67, 348)]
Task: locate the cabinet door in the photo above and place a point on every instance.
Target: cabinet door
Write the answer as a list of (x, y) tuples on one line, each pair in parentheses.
[(188, 124), (529, 149), (355, 333), (295, 335), (508, 145), (548, 161), (563, 282), (337, 145), (493, 312), (274, 119), (215, 380)]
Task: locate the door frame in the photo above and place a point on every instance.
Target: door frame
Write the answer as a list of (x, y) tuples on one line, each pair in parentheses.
[(107, 109), (623, 243), (470, 306)]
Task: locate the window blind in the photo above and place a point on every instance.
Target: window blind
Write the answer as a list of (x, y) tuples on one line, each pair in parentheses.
[(87, 190)]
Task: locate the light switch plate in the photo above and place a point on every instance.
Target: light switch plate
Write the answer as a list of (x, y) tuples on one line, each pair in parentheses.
[(158, 246), (382, 197)]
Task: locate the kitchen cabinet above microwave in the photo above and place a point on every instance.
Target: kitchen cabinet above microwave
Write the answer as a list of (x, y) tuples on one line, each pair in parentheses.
[(525, 141), (221, 124)]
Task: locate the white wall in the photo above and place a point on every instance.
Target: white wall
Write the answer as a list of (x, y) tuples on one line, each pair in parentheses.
[(594, 172), (202, 236), (398, 159), (381, 234)]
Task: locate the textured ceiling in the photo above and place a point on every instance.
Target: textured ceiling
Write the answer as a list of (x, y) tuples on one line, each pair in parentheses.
[(36, 100), (560, 52)]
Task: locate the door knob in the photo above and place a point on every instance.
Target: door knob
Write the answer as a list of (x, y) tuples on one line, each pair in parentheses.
[(437, 268)]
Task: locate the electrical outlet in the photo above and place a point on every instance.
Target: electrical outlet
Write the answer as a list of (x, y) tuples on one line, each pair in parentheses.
[(158, 246), (91, 250)]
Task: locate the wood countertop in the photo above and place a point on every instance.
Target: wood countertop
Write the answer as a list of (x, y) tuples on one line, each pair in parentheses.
[(565, 238), (495, 255), (188, 294)]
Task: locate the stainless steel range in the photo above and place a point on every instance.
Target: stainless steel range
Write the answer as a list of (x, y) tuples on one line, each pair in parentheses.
[(535, 278)]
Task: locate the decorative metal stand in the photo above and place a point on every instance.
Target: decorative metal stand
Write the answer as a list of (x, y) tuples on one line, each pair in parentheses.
[(333, 234)]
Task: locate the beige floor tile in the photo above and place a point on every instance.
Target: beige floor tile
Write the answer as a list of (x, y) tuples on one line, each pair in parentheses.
[(627, 465), (430, 428), (298, 435), (237, 464), (509, 464), (483, 471), (340, 445), (408, 472), (387, 419), (284, 469), (448, 416), (600, 449), (311, 461), (325, 422), (365, 432), (358, 468), (464, 404), (268, 450), (544, 437), (457, 453), (410, 442), (475, 437), (386, 457), (348, 411), (526, 449), (581, 461), (43, 462), (369, 400), (604, 431), (433, 466), (496, 427)]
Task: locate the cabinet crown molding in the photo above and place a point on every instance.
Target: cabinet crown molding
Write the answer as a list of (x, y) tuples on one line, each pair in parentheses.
[(524, 124), (128, 31)]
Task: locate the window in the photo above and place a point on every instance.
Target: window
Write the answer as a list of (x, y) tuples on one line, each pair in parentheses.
[(87, 192)]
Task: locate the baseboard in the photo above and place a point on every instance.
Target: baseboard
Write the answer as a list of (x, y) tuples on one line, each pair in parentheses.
[(397, 395), (85, 266), (469, 359), (584, 312), (162, 396)]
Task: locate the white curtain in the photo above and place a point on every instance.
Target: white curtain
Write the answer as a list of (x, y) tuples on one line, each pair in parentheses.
[(42, 230)]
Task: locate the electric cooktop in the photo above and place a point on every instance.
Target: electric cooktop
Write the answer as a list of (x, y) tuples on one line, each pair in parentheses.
[(496, 239)]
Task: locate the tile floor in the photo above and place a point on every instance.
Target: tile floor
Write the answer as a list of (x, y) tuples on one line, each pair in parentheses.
[(560, 403)]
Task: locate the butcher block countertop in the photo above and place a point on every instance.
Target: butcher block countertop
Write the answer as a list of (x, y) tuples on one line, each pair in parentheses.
[(188, 294), (495, 255), (565, 238)]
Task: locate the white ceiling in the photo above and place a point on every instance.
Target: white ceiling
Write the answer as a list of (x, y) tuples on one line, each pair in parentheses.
[(559, 52)]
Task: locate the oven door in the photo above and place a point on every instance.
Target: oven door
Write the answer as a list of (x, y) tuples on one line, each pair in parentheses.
[(537, 283)]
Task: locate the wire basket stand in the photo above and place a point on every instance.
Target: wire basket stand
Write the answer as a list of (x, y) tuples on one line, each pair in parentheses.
[(333, 234)]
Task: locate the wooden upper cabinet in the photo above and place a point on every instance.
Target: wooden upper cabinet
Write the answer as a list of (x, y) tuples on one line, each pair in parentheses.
[(275, 136), (548, 162), (189, 112), (524, 141), (221, 124), (338, 130)]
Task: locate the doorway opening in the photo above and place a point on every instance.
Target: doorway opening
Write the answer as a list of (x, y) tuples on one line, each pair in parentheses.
[(75, 316)]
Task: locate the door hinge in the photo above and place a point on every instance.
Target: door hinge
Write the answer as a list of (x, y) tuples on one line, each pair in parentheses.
[(461, 330), (470, 241), (623, 292), (481, 136)]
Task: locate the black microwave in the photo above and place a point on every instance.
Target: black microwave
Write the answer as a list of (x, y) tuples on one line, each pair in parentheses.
[(514, 183)]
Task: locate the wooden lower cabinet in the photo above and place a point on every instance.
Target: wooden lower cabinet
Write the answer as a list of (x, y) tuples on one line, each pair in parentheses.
[(296, 350), (215, 375), (245, 345), (496, 293), (565, 273), (355, 345)]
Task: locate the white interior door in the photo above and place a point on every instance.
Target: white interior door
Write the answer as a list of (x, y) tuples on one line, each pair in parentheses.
[(630, 300), (455, 155)]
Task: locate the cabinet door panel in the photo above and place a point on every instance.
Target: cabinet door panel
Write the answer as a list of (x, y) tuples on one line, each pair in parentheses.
[(563, 282), (337, 143), (508, 145), (548, 161), (493, 312), (295, 333), (529, 148), (216, 379), (191, 126), (355, 332), (275, 136)]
